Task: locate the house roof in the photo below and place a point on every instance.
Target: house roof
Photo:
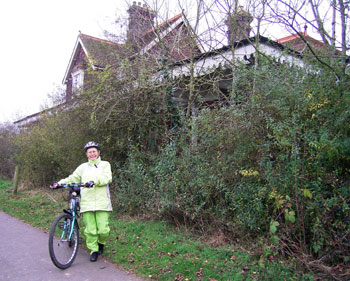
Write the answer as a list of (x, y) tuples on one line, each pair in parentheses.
[(244, 50), (165, 23), (235, 45), (99, 52), (150, 37), (295, 42), (35, 116)]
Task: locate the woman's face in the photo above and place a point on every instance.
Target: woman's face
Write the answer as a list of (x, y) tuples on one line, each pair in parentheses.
[(92, 153)]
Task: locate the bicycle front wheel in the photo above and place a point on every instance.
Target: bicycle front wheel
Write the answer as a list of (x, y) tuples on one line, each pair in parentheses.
[(63, 241)]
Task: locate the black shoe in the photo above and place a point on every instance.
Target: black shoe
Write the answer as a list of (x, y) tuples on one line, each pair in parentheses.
[(94, 256), (100, 248)]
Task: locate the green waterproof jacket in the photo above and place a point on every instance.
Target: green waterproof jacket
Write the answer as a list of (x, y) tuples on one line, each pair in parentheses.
[(96, 198)]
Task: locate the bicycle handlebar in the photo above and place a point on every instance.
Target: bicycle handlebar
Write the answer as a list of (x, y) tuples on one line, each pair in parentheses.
[(72, 185)]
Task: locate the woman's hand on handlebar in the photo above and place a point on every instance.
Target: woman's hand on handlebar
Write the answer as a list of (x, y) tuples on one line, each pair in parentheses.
[(89, 184), (54, 185)]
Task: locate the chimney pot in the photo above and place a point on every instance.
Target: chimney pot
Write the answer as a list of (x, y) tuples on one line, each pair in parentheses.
[(238, 25), (141, 19)]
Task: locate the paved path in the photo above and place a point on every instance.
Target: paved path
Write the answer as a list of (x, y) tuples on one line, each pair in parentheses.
[(24, 255)]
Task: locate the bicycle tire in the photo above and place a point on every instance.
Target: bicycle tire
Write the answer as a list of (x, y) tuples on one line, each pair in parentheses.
[(63, 251)]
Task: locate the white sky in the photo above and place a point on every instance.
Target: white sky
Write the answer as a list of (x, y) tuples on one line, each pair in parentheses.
[(37, 40)]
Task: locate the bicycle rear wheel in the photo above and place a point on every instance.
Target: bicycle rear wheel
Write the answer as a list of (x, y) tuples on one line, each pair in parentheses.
[(63, 249)]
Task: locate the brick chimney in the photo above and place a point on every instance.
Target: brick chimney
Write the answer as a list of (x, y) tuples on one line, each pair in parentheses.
[(238, 25), (141, 19)]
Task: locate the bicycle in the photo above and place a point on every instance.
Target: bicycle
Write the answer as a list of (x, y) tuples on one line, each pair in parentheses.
[(64, 233)]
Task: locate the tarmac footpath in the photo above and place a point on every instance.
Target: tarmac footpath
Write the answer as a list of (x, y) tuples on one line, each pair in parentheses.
[(24, 256)]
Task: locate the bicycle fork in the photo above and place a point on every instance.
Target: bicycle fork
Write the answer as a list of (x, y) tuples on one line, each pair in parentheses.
[(68, 229)]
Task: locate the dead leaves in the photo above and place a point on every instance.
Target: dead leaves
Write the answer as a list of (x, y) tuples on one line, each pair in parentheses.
[(131, 258)]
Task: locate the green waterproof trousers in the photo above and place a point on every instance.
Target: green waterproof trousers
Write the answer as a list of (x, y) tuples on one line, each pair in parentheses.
[(96, 229)]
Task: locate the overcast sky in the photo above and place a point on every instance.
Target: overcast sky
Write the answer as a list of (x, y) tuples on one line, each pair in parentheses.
[(37, 40)]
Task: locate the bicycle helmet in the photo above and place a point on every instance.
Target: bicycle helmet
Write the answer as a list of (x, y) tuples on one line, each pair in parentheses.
[(91, 144)]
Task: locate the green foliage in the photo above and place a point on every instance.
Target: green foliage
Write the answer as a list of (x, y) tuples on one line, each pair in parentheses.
[(52, 148), (127, 112), (186, 186), (279, 151), (7, 150)]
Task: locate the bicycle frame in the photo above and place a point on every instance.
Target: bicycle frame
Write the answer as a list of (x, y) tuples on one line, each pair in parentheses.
[(72, 210), (74, 220)]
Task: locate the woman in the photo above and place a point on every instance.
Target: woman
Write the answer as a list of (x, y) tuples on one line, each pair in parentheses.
[(95, 204)]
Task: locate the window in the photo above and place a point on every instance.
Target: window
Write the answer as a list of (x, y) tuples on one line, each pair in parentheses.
[(77, 79)]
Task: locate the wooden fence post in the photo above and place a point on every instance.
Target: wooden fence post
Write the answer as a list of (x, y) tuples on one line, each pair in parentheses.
[(16, 180)]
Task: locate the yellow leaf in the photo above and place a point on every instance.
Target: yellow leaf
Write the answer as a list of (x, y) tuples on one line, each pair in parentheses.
[(307, 193)]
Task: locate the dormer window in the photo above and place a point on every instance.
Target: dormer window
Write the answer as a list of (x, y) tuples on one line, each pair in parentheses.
[(77, 79)]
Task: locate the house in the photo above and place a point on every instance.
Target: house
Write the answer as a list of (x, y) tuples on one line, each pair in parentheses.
[(173, 39), (143, 39), (218, 65), (214, 69)]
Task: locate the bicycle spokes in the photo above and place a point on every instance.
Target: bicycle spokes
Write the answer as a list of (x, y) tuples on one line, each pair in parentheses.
[(63, 241)]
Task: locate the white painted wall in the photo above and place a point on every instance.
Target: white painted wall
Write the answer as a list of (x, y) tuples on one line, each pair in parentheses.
[(208, 64)]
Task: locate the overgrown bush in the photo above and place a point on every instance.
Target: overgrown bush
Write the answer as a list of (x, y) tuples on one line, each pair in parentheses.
[(7, 150), (53, 147), (275, 162), (115, 113)]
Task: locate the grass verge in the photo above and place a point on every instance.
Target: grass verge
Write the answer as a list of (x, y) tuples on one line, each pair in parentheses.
[(152, 249)]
